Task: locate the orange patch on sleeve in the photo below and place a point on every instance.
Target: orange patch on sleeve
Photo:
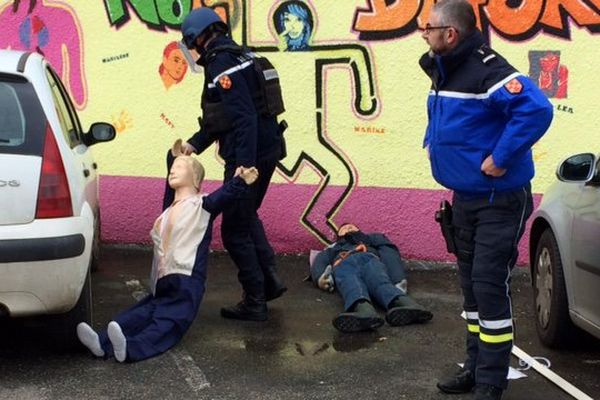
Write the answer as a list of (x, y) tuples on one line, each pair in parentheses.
[(225, 82), (514, 86)]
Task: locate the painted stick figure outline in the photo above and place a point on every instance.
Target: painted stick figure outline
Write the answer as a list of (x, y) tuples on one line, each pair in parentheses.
[(52, 29), (357, 59)]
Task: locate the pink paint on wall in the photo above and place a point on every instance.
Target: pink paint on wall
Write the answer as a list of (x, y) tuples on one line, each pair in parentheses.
[(404, 215), (52, 29)]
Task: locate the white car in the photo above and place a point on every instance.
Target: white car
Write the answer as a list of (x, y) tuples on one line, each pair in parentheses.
[(49, 218), (565, 253)]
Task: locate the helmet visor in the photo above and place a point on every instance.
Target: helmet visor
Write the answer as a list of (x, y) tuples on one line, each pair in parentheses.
[(191, 56)]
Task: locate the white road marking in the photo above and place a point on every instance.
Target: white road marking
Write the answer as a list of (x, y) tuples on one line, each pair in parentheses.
[(192, 374)]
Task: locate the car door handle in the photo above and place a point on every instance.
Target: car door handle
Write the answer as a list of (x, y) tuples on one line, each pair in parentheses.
[(86, 172)]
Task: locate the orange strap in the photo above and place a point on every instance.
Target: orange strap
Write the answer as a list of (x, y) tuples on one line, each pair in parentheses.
[(361, 248)]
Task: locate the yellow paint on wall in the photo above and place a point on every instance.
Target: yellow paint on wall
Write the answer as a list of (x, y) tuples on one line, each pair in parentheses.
[(391, 157)]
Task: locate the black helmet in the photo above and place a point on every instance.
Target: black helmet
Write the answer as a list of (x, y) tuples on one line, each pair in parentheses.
[(197, 22)]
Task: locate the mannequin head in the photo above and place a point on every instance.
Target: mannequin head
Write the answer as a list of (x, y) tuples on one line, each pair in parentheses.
[(186, 172)]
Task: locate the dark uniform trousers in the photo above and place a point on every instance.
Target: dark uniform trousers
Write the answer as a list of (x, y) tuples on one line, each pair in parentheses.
[(487, 232), (243, 233)]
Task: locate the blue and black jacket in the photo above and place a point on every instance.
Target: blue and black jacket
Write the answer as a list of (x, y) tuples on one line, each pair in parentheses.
[(480, 105), (230, 109)]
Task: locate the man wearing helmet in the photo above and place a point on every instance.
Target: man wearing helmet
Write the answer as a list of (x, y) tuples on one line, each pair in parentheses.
[(238, 114)]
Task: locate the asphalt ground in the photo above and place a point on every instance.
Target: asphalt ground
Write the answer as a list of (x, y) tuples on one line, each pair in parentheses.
[(297, 354)]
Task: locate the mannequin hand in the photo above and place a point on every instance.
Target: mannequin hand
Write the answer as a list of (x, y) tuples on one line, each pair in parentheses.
[(188, 149), (249, 175)]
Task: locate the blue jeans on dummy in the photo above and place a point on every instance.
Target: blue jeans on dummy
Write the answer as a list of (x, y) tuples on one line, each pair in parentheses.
[(363, 276)]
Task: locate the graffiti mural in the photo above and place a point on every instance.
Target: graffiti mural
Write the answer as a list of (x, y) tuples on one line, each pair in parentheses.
[(309, 142), (294, 24), (52, 29), (159, 14), (515, 20), (354, 94), (550, 75)]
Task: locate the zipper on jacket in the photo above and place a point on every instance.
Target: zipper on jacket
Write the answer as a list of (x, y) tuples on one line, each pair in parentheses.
[(436, 87), (491, 199)]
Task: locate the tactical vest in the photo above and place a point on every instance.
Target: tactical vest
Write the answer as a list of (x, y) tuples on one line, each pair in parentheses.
[(267, 99)]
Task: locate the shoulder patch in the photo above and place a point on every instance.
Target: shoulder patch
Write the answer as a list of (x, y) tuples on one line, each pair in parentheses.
[(225, 82), (514, 86)]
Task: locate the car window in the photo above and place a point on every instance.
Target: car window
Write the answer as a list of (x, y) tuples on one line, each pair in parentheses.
[(12, 119), (22, 119), (66, 114)]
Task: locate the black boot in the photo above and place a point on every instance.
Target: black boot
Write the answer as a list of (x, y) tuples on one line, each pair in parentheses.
[(487, 392), (362, 318), (274, 286), (462, 382), (251, 308), (404, 310)]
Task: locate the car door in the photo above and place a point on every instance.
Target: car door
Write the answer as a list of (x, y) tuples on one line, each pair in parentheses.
[(85, 187), (585, 242)]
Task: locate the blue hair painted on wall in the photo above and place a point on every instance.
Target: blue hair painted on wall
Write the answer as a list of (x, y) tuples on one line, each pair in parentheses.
[(303, 13)]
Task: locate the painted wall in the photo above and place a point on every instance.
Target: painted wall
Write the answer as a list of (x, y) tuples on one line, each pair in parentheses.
[(354, 93)]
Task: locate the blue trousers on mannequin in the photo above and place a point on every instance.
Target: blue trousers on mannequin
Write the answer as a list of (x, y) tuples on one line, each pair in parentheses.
[(157, 323), (362, 276)]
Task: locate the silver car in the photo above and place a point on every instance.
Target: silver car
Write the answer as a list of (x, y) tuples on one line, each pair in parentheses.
[(565, 252)]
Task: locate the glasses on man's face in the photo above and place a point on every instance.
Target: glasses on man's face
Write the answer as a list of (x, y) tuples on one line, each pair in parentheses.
[(428, 28)]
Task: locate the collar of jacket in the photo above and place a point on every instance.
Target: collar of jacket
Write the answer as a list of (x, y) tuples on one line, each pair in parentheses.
[(451, 61), (221, 40)]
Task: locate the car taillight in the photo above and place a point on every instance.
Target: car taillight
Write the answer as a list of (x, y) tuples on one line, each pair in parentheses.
[(54, 196)]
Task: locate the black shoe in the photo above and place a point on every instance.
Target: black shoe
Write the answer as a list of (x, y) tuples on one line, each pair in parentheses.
[(404, 311), (363, 318), (274, 286), (462, 382), (488, 392), (246, 310)]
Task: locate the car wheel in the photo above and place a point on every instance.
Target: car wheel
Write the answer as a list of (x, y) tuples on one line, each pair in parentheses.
[(63, 327), (553, 323)]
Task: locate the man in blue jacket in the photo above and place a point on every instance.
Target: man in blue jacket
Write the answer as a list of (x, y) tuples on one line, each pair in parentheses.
[(238, 113), (365, 266), (484, 117)]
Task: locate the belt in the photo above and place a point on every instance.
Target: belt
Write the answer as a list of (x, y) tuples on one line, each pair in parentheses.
[(361, 248)]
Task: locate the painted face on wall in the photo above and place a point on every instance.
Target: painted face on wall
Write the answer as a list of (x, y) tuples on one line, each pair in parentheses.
[(549, 62), (294, 26), (175, 64)]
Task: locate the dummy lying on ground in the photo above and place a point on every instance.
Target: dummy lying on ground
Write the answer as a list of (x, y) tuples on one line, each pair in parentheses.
[(181, 236), (364, 266)]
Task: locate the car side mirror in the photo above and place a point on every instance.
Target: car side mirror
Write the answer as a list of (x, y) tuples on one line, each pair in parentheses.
[(99, 132), (577, 168)]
